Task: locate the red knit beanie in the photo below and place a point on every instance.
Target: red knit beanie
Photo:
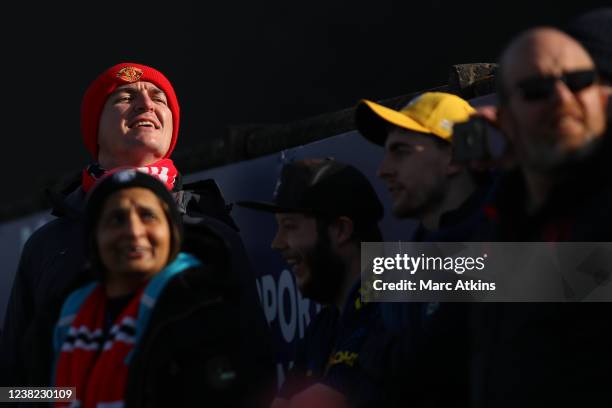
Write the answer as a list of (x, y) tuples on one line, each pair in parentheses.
[(121, 74)]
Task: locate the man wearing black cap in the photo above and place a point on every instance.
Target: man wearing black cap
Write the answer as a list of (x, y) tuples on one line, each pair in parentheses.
[(324, 210)]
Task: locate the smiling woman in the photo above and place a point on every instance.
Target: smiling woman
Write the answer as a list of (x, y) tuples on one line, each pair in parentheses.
[(131, 325), (133, 239)]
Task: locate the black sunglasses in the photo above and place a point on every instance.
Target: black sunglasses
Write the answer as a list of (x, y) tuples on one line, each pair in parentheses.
[(537, 88)]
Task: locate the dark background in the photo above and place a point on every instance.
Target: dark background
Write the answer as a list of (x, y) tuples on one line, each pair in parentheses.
[(244, 62)]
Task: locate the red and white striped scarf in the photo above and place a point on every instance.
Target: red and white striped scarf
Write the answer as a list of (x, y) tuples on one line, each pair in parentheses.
[(98, 371), (163, 169)]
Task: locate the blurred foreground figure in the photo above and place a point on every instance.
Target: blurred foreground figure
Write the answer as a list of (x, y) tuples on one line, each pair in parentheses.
[(552, 110), (158, 327)]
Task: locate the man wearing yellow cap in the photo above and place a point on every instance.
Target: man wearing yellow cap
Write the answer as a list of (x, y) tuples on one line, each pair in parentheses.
[(430, 347), (424, 181)]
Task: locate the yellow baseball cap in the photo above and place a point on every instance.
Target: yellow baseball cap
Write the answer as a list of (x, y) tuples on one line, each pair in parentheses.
[(432, 113)]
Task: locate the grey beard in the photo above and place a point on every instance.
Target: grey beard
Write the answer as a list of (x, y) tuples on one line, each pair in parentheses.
[(546, 160)]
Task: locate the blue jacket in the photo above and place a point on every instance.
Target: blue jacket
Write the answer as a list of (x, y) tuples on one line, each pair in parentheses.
[(425, 346), (333, 351)]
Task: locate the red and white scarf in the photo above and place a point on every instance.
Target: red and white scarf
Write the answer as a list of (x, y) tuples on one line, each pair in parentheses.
[(98, 366), (98, 371), (163, 169)]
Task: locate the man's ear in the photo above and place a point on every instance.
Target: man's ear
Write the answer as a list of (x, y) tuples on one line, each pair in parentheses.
[(341, 230)]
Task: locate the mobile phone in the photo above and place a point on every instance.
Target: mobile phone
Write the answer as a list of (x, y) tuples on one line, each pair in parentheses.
[(471, 140)]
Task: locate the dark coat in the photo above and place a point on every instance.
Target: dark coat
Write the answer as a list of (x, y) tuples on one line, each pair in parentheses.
[(193, 353), (425, 345), (546, 354), (333, 352), (52, 265)]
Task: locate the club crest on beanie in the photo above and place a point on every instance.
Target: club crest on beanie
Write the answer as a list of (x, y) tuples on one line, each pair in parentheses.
[(100, 89)]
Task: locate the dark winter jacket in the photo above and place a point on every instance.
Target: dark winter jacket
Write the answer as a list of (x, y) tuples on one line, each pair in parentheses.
[(190, 352), (546, 354), (425, 346), (52, 265)]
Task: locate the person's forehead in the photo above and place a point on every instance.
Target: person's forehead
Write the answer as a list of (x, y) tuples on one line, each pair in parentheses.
[(548, 53), (140, 85), (130, 197), (403, 136), (295, 217), (302, 220)]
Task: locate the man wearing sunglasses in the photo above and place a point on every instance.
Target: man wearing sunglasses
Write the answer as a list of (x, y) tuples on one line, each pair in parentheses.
[(552, 110)]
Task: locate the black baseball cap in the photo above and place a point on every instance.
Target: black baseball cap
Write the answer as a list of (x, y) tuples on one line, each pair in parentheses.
[(322, 187)]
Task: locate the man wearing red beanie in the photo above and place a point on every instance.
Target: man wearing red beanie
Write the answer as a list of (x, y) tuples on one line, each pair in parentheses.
[(129, 119)]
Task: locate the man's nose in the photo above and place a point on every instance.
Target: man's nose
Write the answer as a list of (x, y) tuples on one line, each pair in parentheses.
[(562, 94), (278, 243), (144, 102), (385, 170)]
